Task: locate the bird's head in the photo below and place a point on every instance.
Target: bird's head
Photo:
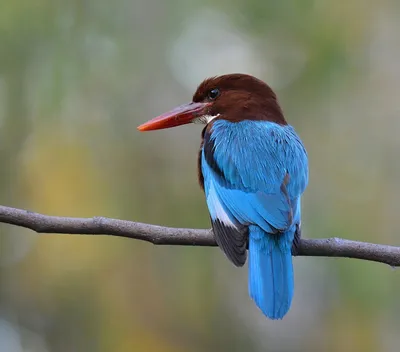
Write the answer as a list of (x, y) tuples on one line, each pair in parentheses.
[(233, 97)]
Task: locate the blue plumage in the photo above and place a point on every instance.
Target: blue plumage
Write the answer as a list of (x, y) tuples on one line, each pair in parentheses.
[(270, 272), (254, 174)]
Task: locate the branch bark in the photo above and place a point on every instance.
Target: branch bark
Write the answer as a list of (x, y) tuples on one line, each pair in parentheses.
[(330, 247)]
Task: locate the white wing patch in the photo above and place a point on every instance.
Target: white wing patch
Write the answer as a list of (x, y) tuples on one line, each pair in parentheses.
[(216, 209)]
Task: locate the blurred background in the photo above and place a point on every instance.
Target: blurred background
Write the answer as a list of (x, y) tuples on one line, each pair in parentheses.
[(77, 77)]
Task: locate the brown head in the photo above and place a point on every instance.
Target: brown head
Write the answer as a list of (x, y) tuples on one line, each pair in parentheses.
[(233, 97)]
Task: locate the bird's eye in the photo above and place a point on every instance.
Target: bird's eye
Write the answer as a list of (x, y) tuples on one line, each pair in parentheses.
[(213, 94)]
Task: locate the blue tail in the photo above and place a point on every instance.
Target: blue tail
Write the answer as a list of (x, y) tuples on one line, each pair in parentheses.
[(271, 271)]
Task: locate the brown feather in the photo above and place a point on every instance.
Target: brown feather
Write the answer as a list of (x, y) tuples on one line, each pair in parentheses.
[(242, 97)]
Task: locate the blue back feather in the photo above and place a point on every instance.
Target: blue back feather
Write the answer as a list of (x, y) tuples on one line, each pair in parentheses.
[(253, 158)]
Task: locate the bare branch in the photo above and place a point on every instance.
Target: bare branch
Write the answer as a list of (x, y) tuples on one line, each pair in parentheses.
[(331, 247)]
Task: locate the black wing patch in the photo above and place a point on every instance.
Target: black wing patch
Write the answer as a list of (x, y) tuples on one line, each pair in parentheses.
[(209, 154), (232, 240)]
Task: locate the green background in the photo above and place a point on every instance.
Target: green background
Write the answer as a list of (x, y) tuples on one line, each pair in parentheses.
[(77, 77)]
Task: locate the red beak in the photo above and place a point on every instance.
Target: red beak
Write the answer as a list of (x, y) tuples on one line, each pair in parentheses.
[(179, 116)]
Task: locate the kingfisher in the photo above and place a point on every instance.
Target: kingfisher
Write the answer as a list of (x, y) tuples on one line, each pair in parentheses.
[(253, 169)]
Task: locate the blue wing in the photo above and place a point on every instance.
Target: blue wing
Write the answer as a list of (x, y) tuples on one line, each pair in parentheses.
[(254, 173)]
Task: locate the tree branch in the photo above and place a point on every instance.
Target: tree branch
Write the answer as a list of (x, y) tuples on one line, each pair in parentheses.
[(331, 247)]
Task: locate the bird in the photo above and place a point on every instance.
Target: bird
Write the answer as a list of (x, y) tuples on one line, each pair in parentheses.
[(253, 169)]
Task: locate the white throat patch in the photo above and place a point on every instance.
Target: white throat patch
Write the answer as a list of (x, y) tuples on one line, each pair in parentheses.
[(205, 119)]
